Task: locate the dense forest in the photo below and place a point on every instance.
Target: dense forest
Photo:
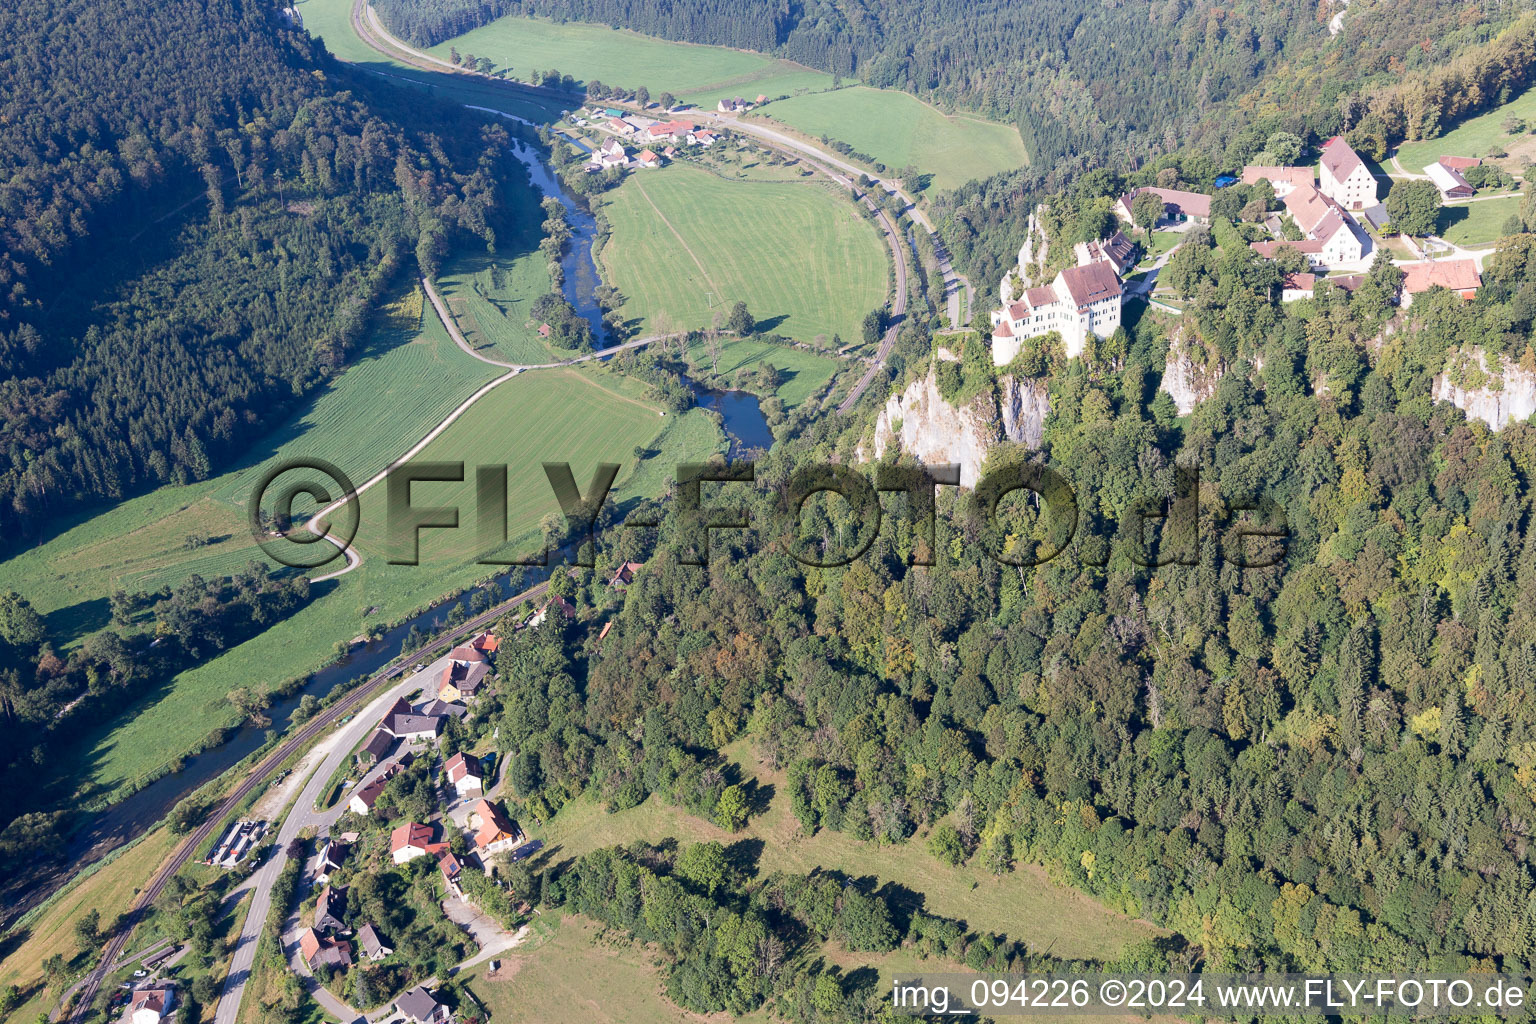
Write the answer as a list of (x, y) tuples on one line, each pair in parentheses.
[(196, 215), (1324, 764)]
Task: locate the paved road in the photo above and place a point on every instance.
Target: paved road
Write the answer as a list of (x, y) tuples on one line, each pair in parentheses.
[(368, 28), (257, 778)]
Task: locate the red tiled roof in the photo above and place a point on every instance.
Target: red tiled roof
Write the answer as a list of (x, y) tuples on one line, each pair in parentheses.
[(1191, 204), (1457, 275), (1339, 158), (410, 835), (459, 766), (1461, 163), (1268, 249), (1296, 176), (1299, 282), (1092, 283), (1313, 212)]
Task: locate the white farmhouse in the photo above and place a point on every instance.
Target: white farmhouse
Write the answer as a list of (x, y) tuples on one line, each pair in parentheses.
[(1343, 177), (1323, 221)]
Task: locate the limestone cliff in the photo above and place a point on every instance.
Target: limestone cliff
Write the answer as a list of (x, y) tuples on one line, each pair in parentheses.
[(1509, 397), (1189, 383), (919, 422)]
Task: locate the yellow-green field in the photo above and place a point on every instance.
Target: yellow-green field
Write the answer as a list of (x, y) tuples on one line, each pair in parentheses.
[(110, 889), (899, 130), (687, 245)]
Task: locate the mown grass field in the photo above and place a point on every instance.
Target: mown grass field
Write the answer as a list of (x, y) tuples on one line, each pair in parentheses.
[(490, 301), (110, 889), (616, 57), (805, 373), (1477, 223), (1025, 904), (405, 380), (899, 129), (1476, 136), (687, 245), (580, 415)]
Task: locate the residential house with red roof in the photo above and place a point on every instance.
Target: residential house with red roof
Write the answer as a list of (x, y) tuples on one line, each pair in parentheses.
[(1322, 219), (409, 841), (495, 832), (1343, 177), (1178, 206), (465, 774), (1460, 276), (1284, 180)]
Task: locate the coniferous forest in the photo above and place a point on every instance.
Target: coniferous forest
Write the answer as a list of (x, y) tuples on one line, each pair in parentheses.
[(197, 213)]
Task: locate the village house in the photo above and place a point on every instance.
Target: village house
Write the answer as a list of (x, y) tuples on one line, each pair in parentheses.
[(1116, 250), (1322, 220), (331, 859), (418, 1005), (150, 1005), (1343, 177), (1460, 276), (363, 800), (671, 131), (468, 654), (438, 708), (409, 841), (1311, 249), (612, 154), (317, 950), (1450, 182), (1081, 301), (451, 868), (464, 773), (495, 832), (560, 604), (619, 127), (1297, 286), (646, 158), (1178, 206), (733, 106), (462, 682), (624, 575), (702, 138), (405, 723), (374, 947), (376, 749), (486, 643), (331, 909), (1284, 180)]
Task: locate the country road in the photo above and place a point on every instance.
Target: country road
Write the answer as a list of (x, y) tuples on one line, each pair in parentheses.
[(255, 779), (368, 28)]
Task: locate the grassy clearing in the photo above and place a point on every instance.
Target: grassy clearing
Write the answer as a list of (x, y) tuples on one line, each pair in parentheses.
[(583, 973), (1476, 136), (899, 130), (490, 301), (580, 415), (630, 60), (805, 373), (1025, 904), (1476, 223), (686, 245), (110, 889)]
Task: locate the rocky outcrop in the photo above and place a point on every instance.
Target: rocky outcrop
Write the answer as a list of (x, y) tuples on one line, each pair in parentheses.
[(1024, 403), (1498, 401), (919, 422), (1187, 382)]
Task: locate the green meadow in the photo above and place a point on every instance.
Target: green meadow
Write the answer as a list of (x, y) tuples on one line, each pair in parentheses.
[(900, 130), (697, 74), (804, 373), (1477, 135), (1478, 223), (686, 245)]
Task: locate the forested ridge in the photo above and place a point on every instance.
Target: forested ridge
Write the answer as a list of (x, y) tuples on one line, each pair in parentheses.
[(1324, 765), (198, 209)]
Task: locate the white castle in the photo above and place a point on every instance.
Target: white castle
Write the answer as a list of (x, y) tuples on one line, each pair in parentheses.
[(1082, 300)]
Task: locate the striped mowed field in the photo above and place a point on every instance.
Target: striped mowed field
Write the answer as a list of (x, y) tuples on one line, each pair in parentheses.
[(687, 244)]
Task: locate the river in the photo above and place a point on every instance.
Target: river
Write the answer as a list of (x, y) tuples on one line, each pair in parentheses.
[(135, 814)]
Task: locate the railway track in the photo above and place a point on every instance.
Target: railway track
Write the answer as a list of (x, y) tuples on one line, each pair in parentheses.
[(258, 777)]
